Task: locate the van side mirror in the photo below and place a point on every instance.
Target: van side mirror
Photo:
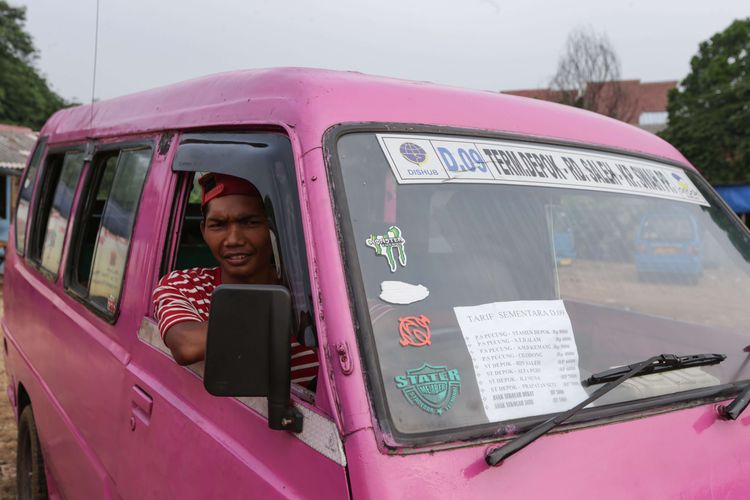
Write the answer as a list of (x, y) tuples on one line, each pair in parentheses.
[(249, 347)]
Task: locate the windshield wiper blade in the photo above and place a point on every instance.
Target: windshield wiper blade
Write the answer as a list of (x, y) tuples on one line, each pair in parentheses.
[(496, 456), (663, 363)]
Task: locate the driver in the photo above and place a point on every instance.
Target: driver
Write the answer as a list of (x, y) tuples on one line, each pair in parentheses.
[(235, 227)]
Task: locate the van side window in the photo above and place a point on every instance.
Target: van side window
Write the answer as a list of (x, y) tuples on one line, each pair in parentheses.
[(265, 160), (55, 199), (105, 223), (24, 197)]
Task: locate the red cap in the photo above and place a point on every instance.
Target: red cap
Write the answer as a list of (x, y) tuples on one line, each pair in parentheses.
[(214, 185)]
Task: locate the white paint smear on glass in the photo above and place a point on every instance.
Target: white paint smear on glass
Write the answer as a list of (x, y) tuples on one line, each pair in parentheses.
[(398, 292)]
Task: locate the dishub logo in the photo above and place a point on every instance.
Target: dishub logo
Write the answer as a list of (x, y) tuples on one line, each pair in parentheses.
[(433, 389), (413, 153)]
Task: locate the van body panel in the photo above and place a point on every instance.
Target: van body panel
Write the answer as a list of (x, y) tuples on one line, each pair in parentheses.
[(310, 101), (68, 451), (335, 326), (623, 460), (245, 455), (305, 161)]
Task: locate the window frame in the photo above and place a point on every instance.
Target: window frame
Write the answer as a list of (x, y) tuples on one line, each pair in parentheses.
[(178, 205), (178, 210), (36, 158), (44, 193), (86, 197)]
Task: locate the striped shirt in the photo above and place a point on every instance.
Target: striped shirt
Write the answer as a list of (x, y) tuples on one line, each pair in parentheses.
[(185, 295)]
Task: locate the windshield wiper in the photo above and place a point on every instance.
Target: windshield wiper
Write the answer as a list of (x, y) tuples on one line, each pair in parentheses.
[(495, 456), (664, 363), (733, 410)]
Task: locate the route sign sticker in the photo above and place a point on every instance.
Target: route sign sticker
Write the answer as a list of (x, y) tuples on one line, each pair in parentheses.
[(435, 159)]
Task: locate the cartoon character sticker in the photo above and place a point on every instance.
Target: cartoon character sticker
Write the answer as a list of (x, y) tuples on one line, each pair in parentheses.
[(434, 389), (415, 331), (388, 245)]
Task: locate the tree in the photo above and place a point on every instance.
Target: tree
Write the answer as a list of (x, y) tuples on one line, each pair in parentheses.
[(709, 112), (588, 76), (25, 96)]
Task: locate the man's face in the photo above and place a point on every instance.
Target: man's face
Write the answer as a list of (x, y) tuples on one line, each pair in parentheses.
[(236, 231)]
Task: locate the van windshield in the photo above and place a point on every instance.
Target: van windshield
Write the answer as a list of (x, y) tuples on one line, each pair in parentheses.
[(492, 276)]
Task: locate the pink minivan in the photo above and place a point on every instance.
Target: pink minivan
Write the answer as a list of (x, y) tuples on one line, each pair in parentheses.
[(417, 234)]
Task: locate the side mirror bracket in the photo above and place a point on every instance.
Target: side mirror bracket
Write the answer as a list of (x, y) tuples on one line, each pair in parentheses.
[(284, 417)]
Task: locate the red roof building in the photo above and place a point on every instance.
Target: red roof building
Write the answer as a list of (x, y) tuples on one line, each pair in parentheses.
[(632, 101)]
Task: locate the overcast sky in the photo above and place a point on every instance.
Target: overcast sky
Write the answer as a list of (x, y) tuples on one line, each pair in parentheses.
[(484, 44)]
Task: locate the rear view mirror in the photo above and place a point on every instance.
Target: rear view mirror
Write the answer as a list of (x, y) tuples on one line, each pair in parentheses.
[(248, 348)]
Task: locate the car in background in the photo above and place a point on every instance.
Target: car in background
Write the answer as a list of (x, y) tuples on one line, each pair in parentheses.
[(669, 245), (563, 239)]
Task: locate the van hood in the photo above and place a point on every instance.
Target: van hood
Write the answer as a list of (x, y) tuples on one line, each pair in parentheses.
[(689, 453)]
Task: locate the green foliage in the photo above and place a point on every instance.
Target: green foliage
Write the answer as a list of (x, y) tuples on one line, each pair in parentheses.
[(709, 113), (25, 96)]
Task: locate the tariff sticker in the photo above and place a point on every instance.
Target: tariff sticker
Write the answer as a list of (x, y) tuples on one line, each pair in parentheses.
[(434, 389), (390, 245), (415, 331), (524, 355)]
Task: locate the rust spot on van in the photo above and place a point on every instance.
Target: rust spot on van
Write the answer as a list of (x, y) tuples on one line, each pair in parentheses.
[(164, 143)]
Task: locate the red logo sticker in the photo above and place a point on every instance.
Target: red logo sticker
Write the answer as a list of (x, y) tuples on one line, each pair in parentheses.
[(415, 330)]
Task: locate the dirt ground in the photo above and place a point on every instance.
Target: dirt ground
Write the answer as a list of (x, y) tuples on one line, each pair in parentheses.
[(617, 284), (7, 434)]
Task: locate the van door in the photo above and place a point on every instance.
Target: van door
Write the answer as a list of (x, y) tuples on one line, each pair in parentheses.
[(181, 442), (75, 346)]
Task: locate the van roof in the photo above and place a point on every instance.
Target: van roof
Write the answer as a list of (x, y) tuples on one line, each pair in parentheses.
[(313, 100)]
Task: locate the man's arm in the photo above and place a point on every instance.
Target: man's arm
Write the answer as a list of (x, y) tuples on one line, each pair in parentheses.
[(183, 327), (187, 341)]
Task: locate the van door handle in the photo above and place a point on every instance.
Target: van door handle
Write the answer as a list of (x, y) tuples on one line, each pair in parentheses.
[(140, 407)]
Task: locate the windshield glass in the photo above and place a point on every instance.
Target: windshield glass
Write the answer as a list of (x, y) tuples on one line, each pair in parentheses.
[(496, 275)]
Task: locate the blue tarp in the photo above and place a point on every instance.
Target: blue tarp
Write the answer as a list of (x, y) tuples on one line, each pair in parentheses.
[(738, 197)]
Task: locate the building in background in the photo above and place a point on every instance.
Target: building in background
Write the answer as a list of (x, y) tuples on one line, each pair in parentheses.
[(15, 145), (631, 101)]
